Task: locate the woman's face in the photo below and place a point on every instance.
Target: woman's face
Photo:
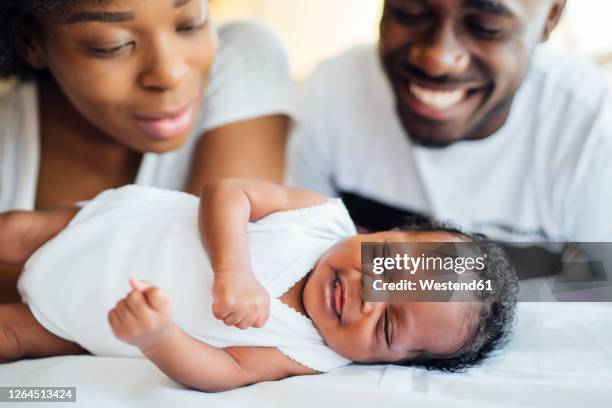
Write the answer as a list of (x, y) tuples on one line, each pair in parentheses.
[(135, 69), (381, 331)]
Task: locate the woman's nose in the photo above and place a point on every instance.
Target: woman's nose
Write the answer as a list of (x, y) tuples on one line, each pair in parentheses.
[(165, 69)]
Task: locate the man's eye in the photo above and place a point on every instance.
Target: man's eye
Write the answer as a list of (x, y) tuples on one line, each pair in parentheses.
[(405, 17), (483, 30), (409, 19)]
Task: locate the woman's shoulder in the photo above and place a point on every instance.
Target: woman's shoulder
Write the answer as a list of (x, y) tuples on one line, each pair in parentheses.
[(249, 38), (12, 95), (18, 145), (250, 76), (249, 49)]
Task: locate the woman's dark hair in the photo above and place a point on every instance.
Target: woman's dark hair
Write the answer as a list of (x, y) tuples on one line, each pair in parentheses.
[(22, 15), (495, 312)]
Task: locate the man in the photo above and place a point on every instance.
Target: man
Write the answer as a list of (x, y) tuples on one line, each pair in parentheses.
[(460, 114)]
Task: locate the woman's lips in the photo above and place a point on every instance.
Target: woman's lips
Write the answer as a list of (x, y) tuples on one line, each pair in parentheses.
[(166, 125)]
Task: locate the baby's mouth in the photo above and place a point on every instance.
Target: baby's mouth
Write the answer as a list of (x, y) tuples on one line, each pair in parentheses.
[(337, 297)]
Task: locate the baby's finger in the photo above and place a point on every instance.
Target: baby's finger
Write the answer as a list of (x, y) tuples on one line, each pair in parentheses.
[(113, 319), (139, 285), (157, 299), (124, 313), (136, 303), (232, 319), (246, 323), (120, 307), (219, 311), (262, 319)]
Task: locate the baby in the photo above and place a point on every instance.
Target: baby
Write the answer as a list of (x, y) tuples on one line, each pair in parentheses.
[(282, 264)]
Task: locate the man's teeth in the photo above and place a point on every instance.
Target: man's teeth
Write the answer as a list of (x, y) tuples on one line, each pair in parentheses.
[(437, 99)]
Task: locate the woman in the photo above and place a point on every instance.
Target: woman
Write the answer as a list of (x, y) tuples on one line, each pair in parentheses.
[(134, 91)]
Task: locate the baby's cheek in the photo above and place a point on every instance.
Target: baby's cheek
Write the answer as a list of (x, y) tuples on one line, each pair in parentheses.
[(355, 345)]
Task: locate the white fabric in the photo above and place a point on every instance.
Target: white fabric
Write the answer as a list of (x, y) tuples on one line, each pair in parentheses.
[(250, 78), (544, 176), (152, 234), (561, 356)]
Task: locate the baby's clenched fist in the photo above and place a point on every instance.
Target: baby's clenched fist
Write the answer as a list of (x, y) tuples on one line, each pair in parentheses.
[(240, 302), (143, 315)]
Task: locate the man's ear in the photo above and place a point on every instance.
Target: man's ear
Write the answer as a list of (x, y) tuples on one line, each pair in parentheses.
[(553, 17), (28, 44)]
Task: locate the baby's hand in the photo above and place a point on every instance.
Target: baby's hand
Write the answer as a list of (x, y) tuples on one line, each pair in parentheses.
[(142, 315), (240, 302)]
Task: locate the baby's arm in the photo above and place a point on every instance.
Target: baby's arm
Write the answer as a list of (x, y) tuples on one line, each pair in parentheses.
[(226, 207), (23, 232), (143, 319), (201, 366)]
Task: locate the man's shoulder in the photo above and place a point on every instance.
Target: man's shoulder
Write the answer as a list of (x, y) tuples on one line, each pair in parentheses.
[(358, 62), (561, 76), (348, 81), (349, 59)]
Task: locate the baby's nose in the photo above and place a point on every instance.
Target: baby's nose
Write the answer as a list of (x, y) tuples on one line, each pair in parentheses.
[(369, 307)]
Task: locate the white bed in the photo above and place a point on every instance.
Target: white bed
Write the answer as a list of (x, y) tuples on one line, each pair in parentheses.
[(561, 356)]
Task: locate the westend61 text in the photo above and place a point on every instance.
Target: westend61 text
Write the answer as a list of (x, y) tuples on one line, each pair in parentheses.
[(430, 284)]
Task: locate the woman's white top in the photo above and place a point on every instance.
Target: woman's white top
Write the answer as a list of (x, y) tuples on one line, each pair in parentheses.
[(73, 281), (250, 78)]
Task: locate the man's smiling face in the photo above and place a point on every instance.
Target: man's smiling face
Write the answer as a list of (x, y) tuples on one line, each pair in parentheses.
[(455, 65)]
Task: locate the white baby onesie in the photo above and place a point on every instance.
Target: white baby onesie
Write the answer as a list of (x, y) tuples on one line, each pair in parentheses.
[(73, 281)]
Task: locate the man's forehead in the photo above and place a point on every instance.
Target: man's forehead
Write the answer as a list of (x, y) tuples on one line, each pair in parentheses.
[(497, 7)]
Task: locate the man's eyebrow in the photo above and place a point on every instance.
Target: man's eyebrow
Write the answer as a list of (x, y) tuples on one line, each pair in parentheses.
[(489, 6)]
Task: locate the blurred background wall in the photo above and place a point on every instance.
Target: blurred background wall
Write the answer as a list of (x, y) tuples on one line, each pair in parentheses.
[(313, 30)]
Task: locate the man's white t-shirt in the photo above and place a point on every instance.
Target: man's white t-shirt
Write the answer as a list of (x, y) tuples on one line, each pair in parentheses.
[(545, 176), (250, 78)]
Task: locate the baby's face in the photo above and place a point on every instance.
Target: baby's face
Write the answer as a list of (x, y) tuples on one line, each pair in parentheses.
[(380, 331)]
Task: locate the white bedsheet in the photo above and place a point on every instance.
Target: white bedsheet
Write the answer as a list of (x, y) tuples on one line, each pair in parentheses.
[(561, 356)]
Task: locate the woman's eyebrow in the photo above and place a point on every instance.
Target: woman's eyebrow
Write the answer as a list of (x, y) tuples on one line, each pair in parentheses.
[(179, 3), (110, 16), (100, 16)]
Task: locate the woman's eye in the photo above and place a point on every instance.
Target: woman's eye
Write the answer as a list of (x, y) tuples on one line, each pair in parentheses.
[(111, 51), (191, 28)]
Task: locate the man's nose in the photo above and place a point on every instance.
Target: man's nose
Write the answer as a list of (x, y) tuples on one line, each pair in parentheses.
[(440, 53), (165, 68)]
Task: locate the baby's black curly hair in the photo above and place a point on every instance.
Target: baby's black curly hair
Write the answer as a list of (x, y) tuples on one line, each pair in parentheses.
[(494, 314), (23, 15)]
